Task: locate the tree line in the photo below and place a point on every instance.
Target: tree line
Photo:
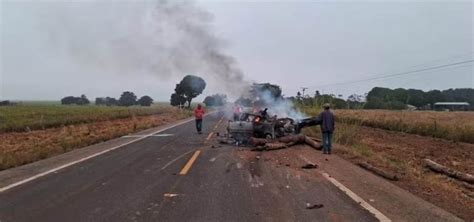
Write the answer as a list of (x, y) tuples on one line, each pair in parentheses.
[(385, 98), (126, 99)]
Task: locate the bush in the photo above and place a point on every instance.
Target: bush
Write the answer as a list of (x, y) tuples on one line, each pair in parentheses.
[(5, 103), (69, 100), (215, 100), (145, 101), (127, 99)]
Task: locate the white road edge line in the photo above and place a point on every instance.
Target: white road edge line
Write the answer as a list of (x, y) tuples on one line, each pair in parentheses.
[(177, 158), (156, 135), (357, 199), (3, 189)]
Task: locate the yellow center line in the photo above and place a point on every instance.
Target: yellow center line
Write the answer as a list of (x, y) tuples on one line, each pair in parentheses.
[(188, 165), (218, 123), (190, 162), (210, 135)]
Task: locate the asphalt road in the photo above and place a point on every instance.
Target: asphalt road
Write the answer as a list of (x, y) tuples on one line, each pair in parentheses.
[(156, 179)]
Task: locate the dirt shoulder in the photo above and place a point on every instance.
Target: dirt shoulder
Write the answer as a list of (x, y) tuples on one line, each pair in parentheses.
[(393, 201), (402, 154), (17, 149)]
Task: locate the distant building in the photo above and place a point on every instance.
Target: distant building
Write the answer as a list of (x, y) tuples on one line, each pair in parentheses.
[(452, 106)]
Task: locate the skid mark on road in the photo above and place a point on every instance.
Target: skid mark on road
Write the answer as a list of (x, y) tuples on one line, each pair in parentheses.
[(357, 199)]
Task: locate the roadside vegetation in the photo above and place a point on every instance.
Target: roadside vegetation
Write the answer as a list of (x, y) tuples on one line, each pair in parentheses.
[(59, 129), (455, 126), (31, 131), (27, 117)]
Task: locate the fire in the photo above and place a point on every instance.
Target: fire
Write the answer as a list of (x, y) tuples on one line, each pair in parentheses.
[(257, 119)]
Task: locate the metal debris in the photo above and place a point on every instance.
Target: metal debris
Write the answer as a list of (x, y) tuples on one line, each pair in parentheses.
[(310, 166), (314, 206)]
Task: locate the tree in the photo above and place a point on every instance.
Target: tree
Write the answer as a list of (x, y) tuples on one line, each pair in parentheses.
[(434, 96), (100, 101), (355, 101), (415, 97), (244, 102), (189, 88), (317, 94), (109, 101), (209, 101), (266, 92), (177, 100), (145, 101), (374, 103), (68, 100), (127, 99), (83, 100), (384, 98), (215, 100), (5, 103), (339, 103)]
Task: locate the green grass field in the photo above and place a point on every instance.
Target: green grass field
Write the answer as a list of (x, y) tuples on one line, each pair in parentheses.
[(41, 115)]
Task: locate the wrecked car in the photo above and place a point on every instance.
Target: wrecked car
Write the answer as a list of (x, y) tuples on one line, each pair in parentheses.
[(261, 125)]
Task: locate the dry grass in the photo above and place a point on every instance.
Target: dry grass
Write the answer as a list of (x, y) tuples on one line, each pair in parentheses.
[(18, 148), (31, 116), (455, 126)]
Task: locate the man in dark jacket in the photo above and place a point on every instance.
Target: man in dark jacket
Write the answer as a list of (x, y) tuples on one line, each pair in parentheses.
[(327, 127)]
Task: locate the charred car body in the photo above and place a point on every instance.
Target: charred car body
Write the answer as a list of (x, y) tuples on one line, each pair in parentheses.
[(261, 125)]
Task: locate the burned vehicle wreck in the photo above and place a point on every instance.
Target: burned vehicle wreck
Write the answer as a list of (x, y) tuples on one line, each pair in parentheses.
[(261, 125)]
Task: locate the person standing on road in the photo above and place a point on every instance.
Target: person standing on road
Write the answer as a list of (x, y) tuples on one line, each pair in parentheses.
[(327, 127), (237, 112), (198, 115)]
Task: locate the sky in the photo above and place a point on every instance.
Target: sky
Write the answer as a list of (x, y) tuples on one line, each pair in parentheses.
[(52, 49)]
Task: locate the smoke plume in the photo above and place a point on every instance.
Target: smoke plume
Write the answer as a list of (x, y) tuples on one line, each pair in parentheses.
[(162, 38), (280, 107)]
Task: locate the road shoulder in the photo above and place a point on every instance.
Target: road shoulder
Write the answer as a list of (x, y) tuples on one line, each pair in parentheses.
[(393, 201), (21, 173)]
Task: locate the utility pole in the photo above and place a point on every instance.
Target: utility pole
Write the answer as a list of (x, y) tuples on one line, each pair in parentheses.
[(303, 89)]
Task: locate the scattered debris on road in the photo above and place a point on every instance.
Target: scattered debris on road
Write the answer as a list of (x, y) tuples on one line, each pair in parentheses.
[(170, 195), (313, 206), (262, 144), (310, 166)]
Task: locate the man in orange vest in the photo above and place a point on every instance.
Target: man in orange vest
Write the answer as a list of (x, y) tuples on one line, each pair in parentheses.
[(198, 115)]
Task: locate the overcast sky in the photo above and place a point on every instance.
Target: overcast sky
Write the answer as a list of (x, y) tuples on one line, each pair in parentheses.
[(312, 44)]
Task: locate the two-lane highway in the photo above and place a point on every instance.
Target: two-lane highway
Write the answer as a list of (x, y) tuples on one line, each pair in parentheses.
[(177, 176)]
